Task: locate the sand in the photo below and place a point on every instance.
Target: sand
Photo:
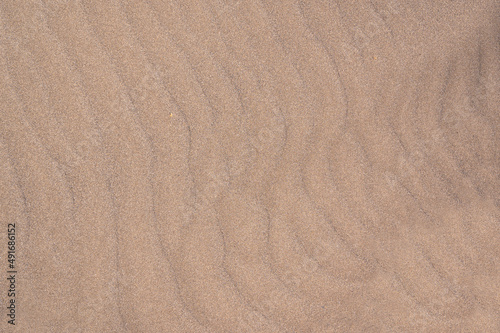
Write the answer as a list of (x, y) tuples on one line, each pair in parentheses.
[(249, 166)]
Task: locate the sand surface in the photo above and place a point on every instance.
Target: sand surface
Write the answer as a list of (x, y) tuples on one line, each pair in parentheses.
[(250, 166)]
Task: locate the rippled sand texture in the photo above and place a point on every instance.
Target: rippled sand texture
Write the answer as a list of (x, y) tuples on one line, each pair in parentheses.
[(251, 166)]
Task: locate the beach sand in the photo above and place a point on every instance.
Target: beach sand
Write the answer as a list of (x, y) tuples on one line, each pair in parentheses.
[(249, 166)]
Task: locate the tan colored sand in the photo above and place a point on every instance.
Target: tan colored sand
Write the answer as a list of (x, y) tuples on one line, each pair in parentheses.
[(251, 166)]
